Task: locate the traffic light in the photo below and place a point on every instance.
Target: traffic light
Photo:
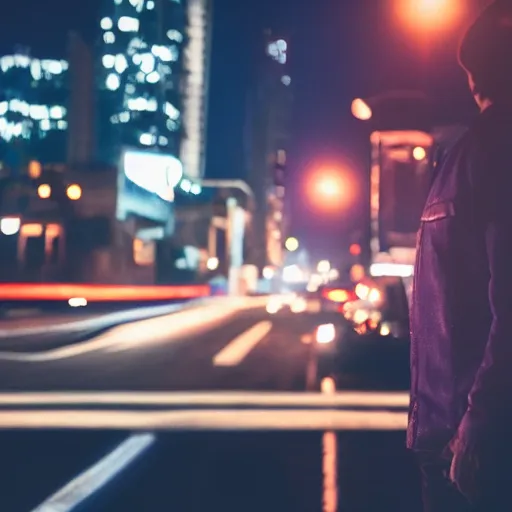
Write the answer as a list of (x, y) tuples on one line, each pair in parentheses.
[(355, 250)]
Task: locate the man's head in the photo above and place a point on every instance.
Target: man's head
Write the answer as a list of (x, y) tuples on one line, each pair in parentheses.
[(486, 54)]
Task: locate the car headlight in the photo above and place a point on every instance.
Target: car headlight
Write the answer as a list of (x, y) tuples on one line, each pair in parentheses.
[(325, 334)]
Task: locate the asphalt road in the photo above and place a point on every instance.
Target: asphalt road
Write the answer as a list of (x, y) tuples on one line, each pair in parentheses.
[(209, 349)]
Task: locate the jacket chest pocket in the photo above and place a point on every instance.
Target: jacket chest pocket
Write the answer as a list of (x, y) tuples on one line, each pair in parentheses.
[(437, 223), (438, 211), (435, 235)]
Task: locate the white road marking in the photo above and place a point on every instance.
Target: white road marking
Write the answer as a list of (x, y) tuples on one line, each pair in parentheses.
[(211, 419), (398, 399), (329, 458), (234, 353), (97, 476)]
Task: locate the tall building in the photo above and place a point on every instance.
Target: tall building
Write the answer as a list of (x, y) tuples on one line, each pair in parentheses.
[(33, 112), (153, 78), (195, 86), (82, 97), (267, 135)]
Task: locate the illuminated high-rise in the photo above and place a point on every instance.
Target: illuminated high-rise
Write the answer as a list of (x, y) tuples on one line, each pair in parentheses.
[(153, 69), (33, 101), (267, 134)]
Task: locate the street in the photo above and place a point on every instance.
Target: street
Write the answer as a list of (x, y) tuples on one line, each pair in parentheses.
[(183, 379)]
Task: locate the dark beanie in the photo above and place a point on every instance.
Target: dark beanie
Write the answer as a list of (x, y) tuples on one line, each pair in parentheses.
[(486, 49)]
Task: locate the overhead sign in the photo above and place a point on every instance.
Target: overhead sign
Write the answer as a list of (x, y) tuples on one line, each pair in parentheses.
[(154, 172)]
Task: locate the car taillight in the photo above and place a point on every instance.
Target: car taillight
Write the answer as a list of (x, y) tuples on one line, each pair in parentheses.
[(339, 295)]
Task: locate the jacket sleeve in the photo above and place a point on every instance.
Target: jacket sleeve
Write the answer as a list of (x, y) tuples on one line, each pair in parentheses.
[(492, 388)]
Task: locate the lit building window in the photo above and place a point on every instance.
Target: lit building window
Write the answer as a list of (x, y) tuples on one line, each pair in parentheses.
[(109, 37), (147, 63), (106, 23), (24, 115), (171, 111), (128, 24), (144, 252), (175, 35), (286, 80), (57, 112), (120, 63), (147, 139), (150, 5), (108, 61), (113, 82), (138, 4), (153, 77), (164, 53), (277, 50)]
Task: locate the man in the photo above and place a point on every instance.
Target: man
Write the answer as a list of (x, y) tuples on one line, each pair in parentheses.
[(460, 420)]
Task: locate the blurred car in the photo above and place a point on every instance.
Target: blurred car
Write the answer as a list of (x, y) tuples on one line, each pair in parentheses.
[(375, 317)]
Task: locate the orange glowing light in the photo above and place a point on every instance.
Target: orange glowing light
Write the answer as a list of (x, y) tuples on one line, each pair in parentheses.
[(338, 295), (429, 14), (355, 249), (330, 189), (34, 169), (361, 110), (99, 293), (357, 273), (74, 192), (44, 191), (419, 153)]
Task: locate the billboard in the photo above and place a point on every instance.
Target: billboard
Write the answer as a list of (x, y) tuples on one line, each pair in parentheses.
[(155, 172), (146, 183)]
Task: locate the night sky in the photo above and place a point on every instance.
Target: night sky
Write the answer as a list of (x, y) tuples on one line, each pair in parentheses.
[(339, 49)]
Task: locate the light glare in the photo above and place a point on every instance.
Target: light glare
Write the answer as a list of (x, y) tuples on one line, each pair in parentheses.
[(325, 333), (10, 225)]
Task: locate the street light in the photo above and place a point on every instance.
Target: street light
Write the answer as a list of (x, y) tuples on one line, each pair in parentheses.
[(74, 192), (328, 187), (429, 14), (44, 191), (10, 225), (361, 110), (331, 189)]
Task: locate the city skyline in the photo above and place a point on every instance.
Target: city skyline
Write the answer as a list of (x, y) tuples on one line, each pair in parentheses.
[(149, 72)]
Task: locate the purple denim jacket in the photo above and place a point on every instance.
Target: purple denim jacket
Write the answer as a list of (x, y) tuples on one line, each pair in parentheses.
[(461, 311)]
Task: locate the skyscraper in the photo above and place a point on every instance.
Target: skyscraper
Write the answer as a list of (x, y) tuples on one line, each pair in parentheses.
[(33, 110), (140, 75), (153, 77), (267, 136), (196, 70)]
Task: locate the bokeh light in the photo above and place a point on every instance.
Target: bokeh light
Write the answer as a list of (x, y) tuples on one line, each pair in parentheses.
[(330, 189), (431, 15)]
